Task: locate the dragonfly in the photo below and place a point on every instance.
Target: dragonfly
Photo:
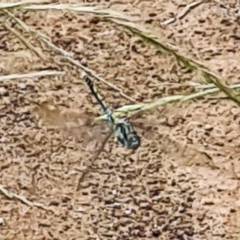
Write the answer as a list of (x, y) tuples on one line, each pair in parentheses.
[(83, 127), (122, 128)]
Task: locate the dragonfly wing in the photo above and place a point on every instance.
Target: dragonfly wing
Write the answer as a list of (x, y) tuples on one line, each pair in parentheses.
[(55, 116), (95, 137), (99, 148), (79, 125), (147, 125), (73, 123)]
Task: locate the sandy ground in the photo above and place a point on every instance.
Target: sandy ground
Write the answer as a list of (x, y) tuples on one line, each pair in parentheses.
[(182, 183)]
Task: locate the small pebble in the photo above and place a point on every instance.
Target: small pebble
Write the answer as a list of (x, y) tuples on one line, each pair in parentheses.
[(1, 221), (22, 86), (3, 91)]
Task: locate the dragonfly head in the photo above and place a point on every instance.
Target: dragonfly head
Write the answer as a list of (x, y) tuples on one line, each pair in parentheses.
[(126, 135)]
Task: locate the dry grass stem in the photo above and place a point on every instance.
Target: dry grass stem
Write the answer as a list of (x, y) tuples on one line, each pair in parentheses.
[(130, 110), (44, 73), (125, 21), (24, 40), (184, 12)]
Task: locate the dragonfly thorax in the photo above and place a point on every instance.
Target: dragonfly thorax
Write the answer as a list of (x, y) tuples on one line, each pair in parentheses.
[(126, 135)]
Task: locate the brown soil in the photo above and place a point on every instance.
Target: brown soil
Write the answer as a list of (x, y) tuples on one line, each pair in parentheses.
[(182, 183)]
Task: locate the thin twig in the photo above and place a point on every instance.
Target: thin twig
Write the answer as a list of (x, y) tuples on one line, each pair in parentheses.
[(22, 199), (189, 7), (43, 73), (168, 21), (184, 12)]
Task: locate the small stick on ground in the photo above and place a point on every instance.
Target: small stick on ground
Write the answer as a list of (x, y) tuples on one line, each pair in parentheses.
[(189, 7), (43, 73), (184, 12), (22, 199)]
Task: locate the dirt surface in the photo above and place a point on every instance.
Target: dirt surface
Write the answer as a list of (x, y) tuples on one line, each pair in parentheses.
[(182, 183)]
